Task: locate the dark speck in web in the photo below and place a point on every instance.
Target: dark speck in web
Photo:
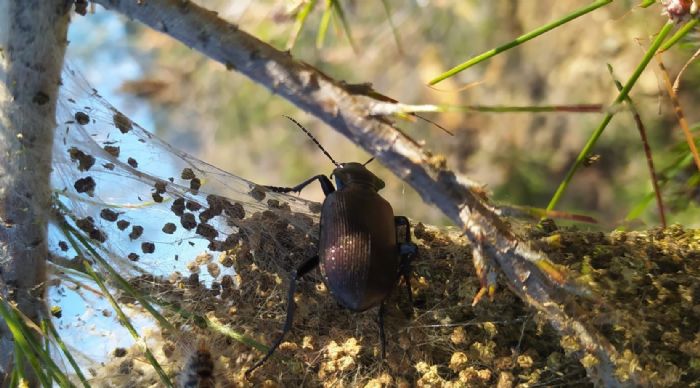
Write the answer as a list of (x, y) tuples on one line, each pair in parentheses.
[(109, 215), (136, 232), (187, 174), (82, 118), (63, 246), (188, 221), (258, 193), (85, 161), (234, 210), (178, 206), (87, 225), (122, 122), (157, 197), (85, 185), (169, 228), (207, 231), (112, 150), (193, 206), (148, 247), (160, 187), (123, 224)]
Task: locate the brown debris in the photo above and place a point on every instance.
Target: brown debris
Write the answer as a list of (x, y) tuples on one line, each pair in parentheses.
[(85, 185), (85, 161), (122, 122)]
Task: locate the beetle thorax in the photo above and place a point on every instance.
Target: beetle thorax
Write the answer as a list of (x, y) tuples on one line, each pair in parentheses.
[(356, 174)]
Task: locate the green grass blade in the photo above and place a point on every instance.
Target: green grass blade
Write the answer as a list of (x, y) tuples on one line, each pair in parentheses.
[(519, 40), (22, 346), (299, 24), (123, 319), (639, 208), (203, 321), (403, 110), (47, 342), (394, 30), (124, 285), (19, 366), (227, 331), (669, 173), (26, 326), (340, 13), (683, 31), (665, 30), (323, 26), (147, 301), (119, 280), (61, 345), (645, 145)]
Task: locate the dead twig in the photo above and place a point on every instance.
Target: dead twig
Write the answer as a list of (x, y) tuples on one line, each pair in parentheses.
[(679, 112), (647, 149)]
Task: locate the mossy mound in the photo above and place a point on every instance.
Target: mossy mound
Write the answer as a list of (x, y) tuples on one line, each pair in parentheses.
[(645, 300)]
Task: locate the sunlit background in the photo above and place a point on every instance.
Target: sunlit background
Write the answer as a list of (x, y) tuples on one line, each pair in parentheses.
[(227, 120)]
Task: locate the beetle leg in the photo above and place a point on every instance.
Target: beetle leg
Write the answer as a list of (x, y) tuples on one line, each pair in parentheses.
[(380, 322), (407, 251), (403, 221), (326, 185), (302, 270)]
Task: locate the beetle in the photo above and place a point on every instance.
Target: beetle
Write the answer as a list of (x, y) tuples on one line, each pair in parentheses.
[(359, 253)]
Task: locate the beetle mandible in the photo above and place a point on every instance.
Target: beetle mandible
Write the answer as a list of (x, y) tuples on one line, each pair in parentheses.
[(359, 252)]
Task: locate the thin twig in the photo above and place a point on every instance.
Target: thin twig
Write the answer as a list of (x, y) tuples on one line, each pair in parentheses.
[(593, 139), (647, 149), (679, 112), (677, 82)]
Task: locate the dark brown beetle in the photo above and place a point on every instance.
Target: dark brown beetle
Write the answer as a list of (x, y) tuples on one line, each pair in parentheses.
[(359, 254)]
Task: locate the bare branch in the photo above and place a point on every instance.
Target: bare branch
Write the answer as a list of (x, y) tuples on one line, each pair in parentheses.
[(348, 109), (32, 44)]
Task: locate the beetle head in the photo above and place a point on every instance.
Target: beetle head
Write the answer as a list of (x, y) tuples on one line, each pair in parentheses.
[(356, 173)]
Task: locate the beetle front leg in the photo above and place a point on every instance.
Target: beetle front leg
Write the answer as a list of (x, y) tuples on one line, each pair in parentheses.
[(326, 185), (302, 270)]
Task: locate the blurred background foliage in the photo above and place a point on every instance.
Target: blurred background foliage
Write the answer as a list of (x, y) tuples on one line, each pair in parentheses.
[(231, 122)]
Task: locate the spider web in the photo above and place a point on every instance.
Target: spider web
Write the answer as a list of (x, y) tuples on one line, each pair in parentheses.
[(158, 216)]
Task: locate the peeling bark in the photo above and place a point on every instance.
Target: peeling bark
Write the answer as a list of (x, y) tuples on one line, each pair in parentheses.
[(32, 45)]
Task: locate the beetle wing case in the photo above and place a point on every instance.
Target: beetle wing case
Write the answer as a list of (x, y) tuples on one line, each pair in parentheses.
[(358, 247)]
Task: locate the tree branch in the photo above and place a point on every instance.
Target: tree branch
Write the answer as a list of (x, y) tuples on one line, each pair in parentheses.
[(32, 44), (348, 109)]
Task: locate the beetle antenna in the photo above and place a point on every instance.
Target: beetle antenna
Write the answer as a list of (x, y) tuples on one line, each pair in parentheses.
[(314, 140), (369, 161)]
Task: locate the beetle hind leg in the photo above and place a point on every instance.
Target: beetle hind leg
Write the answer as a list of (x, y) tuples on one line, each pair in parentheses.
[(380, 323), (302, 270), (407, 252)]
